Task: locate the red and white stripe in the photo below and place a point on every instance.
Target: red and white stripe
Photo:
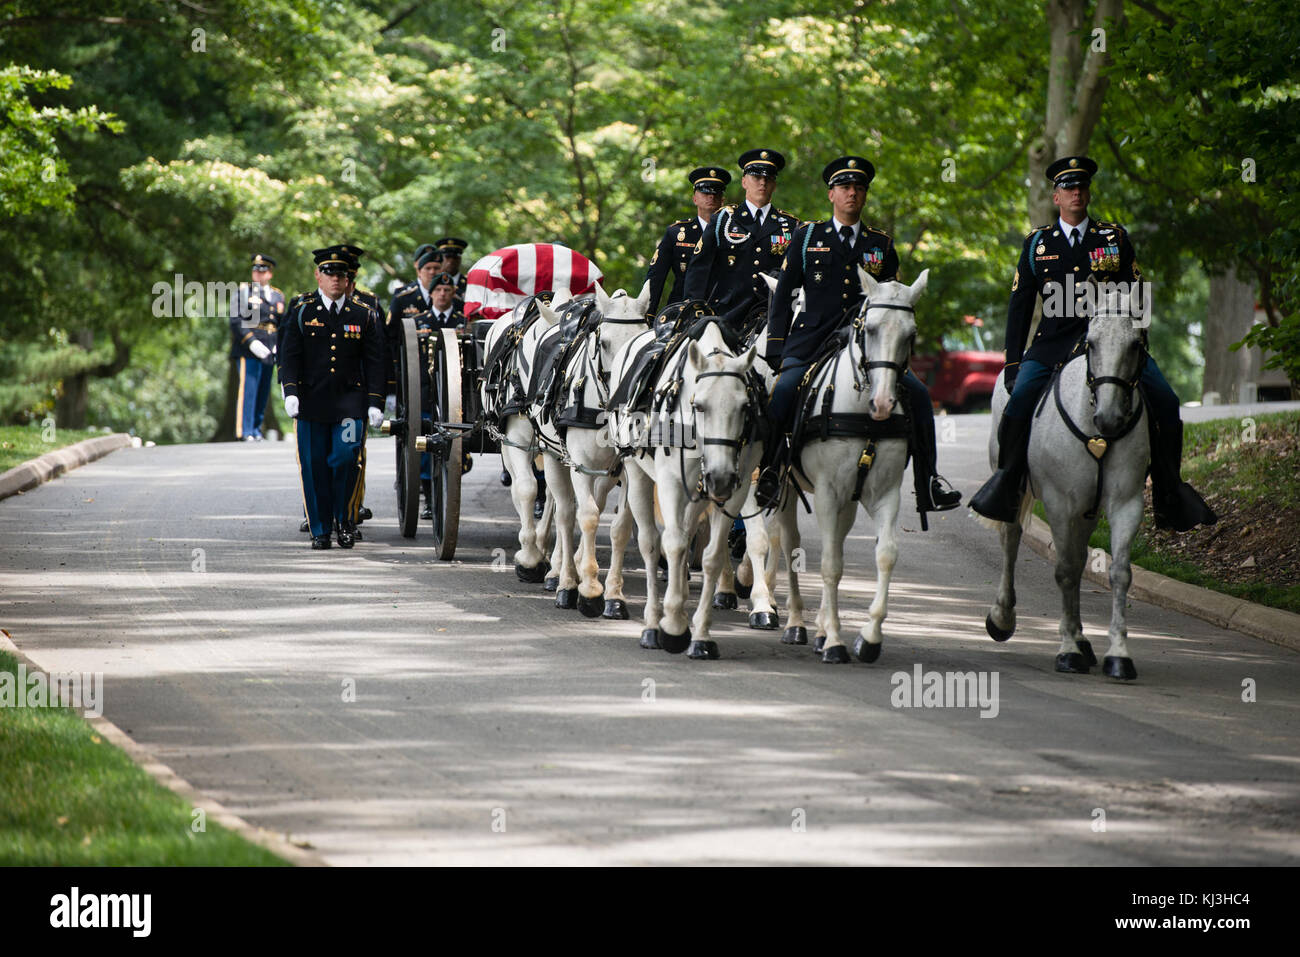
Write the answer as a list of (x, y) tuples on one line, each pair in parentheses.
[(500, 281)]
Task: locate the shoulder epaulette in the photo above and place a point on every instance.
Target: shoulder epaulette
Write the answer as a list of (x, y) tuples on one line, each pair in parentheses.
[(1102, 225), (1037, 229), (275, 289), (873, 229)]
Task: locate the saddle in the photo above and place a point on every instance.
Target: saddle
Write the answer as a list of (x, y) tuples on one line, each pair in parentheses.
[(545, 387), (673, 326), (500, 373)]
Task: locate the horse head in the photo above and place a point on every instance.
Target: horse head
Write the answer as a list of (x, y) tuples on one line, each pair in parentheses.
[(1115, 355), (723, 410), (885, 331), (622, 319)]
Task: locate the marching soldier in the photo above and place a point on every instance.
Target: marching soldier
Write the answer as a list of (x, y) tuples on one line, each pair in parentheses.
[(333, 378), (368, 299), (742, 239), (823, 259), (1076, 246), (452, 249), (254, 318), (678, 245)]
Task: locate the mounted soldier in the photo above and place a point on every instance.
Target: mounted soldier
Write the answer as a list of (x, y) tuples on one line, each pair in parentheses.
[(680, 240), (1057, 262)]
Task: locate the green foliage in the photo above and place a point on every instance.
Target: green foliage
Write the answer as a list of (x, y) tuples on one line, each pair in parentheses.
[(20, 443)]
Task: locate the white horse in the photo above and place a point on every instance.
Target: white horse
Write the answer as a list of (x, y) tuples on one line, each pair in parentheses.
[(842, 472), (582, 464), (1088, 449), (711, 402), (515, 432)]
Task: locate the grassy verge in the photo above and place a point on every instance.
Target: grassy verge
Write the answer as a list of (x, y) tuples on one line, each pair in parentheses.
[(18, 443), (1250, 475), (67, 797)]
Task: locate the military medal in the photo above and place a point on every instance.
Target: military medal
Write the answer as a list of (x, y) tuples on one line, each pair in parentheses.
[(681, 234), (874, 259), (1042, 248)]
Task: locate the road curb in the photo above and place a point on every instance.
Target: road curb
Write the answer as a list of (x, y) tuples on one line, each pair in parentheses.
[(33, 472), (164, 775), (1258, 621)]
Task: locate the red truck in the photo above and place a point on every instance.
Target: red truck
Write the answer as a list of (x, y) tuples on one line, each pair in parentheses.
[(961, 375)]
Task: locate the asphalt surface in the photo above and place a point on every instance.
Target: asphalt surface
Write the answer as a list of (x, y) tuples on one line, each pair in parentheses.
[(488, 727)]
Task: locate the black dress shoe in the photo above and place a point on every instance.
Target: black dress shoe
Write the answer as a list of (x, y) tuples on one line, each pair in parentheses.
[(364, 514), (356, 533), (305, 526), (505, 478), (345, 537), (320, 541), (942, 496)]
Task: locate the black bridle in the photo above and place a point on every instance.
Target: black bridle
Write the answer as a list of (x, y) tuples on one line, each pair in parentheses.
[(860, 326)]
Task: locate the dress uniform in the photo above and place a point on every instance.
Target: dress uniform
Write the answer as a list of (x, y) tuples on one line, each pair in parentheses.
[(1053, 259), (740, 242), (368, 299), (333, 377), (677, 247), (254, 318), (823, 259), (452, 250)]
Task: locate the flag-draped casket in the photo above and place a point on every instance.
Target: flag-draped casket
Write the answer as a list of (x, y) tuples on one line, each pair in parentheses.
[(500, 281)]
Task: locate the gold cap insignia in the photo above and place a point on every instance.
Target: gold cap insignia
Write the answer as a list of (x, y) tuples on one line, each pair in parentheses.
[(763, 155), (1074, 162), (853, 163)]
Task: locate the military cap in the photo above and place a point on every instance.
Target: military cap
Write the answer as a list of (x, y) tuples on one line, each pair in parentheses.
[(333, 256), (451, 246), (762, 162), (848, 170), (261, 259), (427, 253), (421, 248), (1071, 171), (709, 179), (442, 279)]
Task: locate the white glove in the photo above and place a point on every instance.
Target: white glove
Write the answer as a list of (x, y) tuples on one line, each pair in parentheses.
[(390, 405), (291, 406), (376, 417), (258, 349)]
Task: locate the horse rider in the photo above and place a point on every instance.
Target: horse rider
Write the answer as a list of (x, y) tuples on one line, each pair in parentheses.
[(1068, 252), (678, 246), (254, 318), (824, 258), (333, 376), (742, 239)]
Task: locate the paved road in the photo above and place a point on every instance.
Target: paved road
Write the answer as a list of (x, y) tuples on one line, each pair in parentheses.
[(491, 728)]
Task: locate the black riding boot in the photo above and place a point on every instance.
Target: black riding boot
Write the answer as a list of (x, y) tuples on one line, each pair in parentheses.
[(1177, 505), (426, 488), (539, 506), (771, 469), (999, 497)]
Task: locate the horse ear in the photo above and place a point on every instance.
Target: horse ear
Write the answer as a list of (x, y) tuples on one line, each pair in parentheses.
[(869, 285), (918, 287), (548, 314), (643, 300), (694, 356), (603, 302), (747, 358), (771, 283), (561, 297)]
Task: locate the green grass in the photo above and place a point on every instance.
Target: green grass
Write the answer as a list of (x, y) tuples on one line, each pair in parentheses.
[(1227, 468), (68, 797), (18, 443)]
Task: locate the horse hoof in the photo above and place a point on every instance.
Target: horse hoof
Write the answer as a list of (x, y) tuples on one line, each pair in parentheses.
[(552, 583), (1085, 649), (835, 655), (566, 598), (743, 591), (724, 601), (864, 650), (1072, 663), (675, 644), (1121, 668), (795, 635), (531, 575), (996, 633), (650, 639), (703, 651), (590, 607), (764, 620), (615, 608), (819, 643)]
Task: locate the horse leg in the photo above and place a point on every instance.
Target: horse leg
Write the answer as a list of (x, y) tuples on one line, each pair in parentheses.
[(559, 488), (785, 536), (724, 597), (1000, 622), (679, 526), (702, 646), (590, 497), (835, 516), (1124, 522), (758, 548), (867, 647), (640, 497), (1071, 537), (529, 560), (620, 530)]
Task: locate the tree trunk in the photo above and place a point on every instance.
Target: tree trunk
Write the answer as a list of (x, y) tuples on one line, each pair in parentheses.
[(1229, 376), (70, 406), (226, 424), (1076, 89)]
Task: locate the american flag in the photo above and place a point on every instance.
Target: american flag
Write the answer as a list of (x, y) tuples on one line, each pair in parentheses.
[(500, 281)]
